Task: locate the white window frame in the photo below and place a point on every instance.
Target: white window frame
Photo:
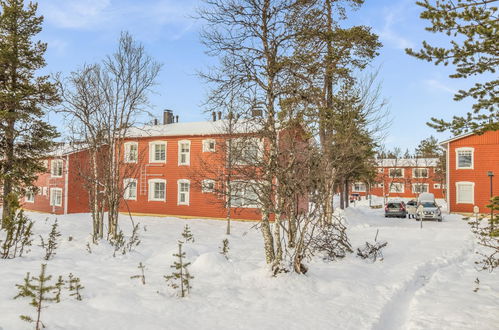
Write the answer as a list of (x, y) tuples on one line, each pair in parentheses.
[(204, 187), (53, 166), (29, 193), (396, 168), (187, 195), (150, 194), (420, 168), (357, 190), (206, 145), (152, 151), (472, 158), (381, 170), (243, 143), (246, 185), (397, 183), (420, 184), (45, 191), (437, 186), (52, 194), (128, 146), (126, 186), (180, 153), (465, 183)]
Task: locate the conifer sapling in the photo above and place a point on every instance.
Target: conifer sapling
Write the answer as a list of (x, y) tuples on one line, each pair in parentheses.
[(187, 234), (141, 277), (224, 249), (180, 278)]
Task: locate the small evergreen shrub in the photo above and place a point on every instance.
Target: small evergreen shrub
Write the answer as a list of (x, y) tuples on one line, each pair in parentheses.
[(51, 245), (180, 278)]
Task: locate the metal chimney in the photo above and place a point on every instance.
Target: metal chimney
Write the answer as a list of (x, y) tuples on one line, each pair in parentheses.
[(167, 117), (219, 115), (214, 116)]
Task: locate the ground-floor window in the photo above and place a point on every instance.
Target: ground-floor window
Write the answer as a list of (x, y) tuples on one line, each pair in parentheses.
[(208, 186), (419, 188), (437, 186), (184, 187), (465, 192), (130, 186), (244, 194), (157, 190), (29, 197), (55, 197), (359, 187), (396, 187)]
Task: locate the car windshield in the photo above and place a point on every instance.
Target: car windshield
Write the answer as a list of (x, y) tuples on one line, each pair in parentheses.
[(429, 204), (411, 203), (394, 205)]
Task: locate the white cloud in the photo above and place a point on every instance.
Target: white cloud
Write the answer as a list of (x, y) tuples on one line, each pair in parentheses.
[(75, 14), (394, 17), (436, 84)]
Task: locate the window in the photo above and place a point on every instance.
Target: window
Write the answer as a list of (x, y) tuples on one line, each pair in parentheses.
[(243, 194), (157, 152), (465, 192), (419, 172), (183, 192), (379, 185), (208, 186), (437, 186), (247, 151), (184, 152), (46, 164), (131, 152), (464, 158), (209, 145), (359, 187), (396, 172), (45, 191), (396, 187), (157, 190), (130, 186), (419, 188), (55, 197), (30, 196), (56, 168), (380, 170)]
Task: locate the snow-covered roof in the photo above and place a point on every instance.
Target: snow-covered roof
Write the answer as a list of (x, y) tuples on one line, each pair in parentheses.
[(408, 162), (192, 128), (64, 149), (456, 138)]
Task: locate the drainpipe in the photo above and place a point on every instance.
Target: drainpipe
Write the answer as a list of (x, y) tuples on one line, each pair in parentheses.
[(66, 185)]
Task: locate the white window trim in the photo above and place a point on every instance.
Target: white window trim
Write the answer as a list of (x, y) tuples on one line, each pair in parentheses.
[(52, 191), (465, 183), (206, 144), (126, 187), (259, 144), (30, 192), (152, 151), (420, 184), (396, 192), (150, 194), (203, 186), (420, 168), (437, 186), (127, 151), (188, 158), (396, 168), (245, 187), (472, 158), (359, 183), (52, 167), (188, 199)]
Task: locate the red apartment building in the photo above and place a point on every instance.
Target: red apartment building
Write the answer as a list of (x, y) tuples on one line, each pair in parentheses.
[(167, 161), (472, 171), (405, 178)]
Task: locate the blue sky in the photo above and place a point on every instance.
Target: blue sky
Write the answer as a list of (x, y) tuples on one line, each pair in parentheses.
[(84, 31)]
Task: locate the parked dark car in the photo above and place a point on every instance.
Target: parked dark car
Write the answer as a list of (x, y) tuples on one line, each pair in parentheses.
[(395, 209)]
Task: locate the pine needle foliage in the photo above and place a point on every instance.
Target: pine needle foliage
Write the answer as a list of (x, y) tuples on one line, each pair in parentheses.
[(180, 278), (224, 249), (17, 236), (142, 276), (75, 287), (472, 28), (51, 245), (40, 292), (187, 234)]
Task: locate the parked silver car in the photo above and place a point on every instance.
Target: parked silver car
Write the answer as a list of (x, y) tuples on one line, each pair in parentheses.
[(395, 209), (429, 211)]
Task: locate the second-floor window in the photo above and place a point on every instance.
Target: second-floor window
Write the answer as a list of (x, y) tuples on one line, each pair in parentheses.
[(396, 172), (420, 173), (131, 152), (209, 145), (157, 152), (184, 152), (56, 167), (418, 188), (464, 158)]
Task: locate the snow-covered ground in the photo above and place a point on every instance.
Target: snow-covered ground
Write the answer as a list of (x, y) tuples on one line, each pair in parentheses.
[(426, 280)]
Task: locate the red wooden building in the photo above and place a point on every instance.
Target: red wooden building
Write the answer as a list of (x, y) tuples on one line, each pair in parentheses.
[(472, 164), (405, 178)]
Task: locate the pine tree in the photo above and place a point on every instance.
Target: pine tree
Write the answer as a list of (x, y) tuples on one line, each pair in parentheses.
[(25, 137), (51, 245), (18, 234), (38, 289), (187, 234), (58, 289), (142, 276), (180, 278), (473, 29), (74, 286)]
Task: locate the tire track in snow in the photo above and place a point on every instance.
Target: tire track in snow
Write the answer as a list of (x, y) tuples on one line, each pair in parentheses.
[(395, 312)]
